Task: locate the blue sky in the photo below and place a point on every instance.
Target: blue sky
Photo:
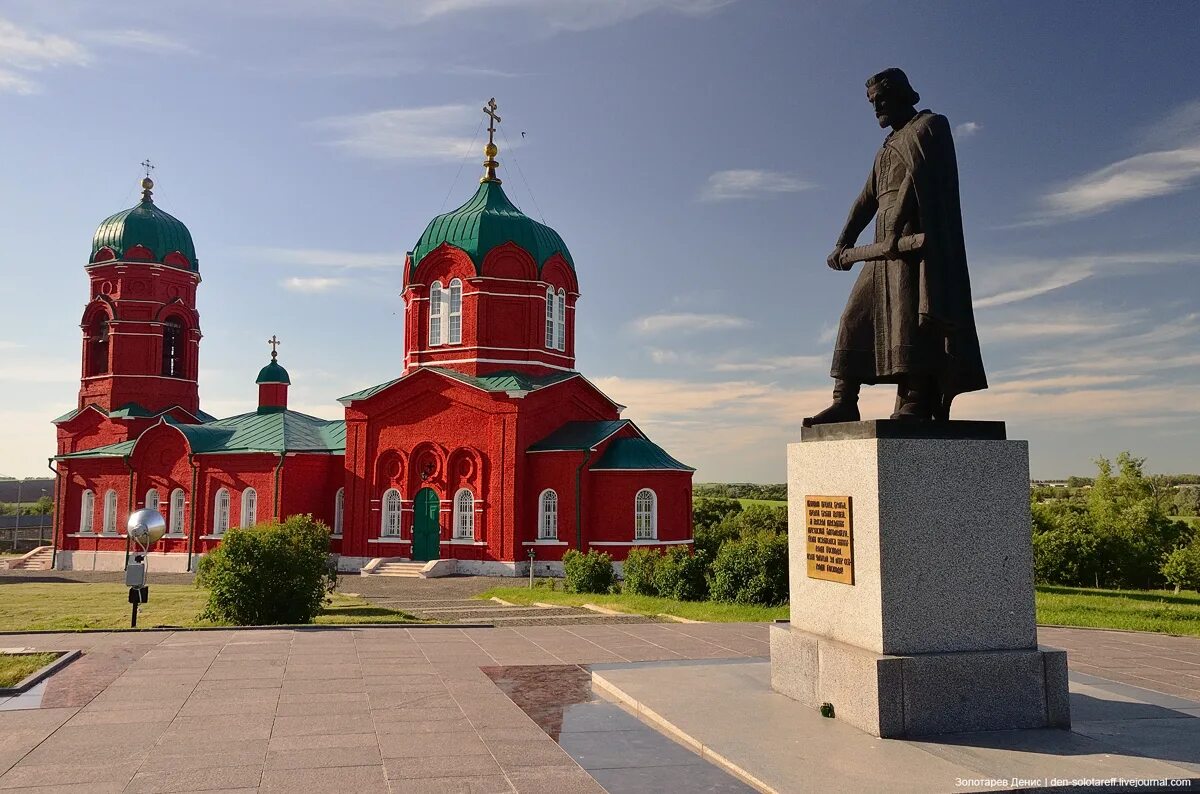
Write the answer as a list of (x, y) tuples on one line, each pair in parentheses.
[(697, 156)]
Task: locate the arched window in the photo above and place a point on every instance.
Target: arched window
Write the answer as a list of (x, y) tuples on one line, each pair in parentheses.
[(339, 510), (152, 499), (173, 349), (221, 512), (435, 314), (97, 344), (464, 515), (87, 512), (454, 323), (550, 324), (249, 507), (548, 512), (175, 522), (110, 513), (560, 320), (645, 515), (390, 522)]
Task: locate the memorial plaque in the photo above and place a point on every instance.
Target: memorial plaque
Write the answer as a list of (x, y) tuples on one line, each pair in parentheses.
[(829, 538)]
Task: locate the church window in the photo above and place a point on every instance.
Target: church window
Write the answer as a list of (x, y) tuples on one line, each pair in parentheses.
[(97, 354), (548, 510), (560, 320), (110, 513), (645, 515), (87, 512), (454, 315), (175, 525), (550, 324), (249, 507), (221, 512), (173, 350), (390, 525), (339, 511), (152, 499), (435, 314), (464, 515)]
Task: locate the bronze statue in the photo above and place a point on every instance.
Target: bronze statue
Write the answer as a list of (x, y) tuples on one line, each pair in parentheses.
[(908, 320)]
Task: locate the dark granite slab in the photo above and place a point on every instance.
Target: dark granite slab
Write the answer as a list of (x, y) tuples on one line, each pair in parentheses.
[(892, 428)]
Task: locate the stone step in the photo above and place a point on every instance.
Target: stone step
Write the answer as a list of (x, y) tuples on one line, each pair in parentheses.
[(37, 560)]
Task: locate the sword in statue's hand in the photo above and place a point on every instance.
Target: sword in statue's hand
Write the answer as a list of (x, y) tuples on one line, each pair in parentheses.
[(876, 251)]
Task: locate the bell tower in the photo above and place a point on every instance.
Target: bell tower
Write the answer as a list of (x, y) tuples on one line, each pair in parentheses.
[(141, 331)]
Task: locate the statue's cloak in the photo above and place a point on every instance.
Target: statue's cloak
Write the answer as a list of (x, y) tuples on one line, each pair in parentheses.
[(913, 315)]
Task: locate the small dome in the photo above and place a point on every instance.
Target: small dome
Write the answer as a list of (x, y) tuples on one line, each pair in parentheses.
[(149, 227), (273, 373), (489, 220)]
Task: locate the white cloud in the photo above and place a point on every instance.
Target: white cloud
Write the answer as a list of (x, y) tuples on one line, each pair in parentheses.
[(687, 322), (324, 257), (1014, 281), (967, 129), (25, 50), (143, 40), (406, 134), (745, 183), (13, 83), (315, 284)]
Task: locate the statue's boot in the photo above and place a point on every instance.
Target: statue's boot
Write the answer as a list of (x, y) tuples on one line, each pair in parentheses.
[(918, 400), (844, 408)]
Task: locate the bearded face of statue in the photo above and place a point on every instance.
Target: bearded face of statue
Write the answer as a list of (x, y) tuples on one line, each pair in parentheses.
[(891, 103)]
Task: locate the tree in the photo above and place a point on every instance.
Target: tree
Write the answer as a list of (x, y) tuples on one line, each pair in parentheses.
[(1182, 567), (762, 518), (710, 511), (42, 507), (1187, 501)]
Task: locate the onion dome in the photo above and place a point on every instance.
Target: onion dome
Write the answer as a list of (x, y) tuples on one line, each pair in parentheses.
[(146, 233), (490, 220), (273, 373)]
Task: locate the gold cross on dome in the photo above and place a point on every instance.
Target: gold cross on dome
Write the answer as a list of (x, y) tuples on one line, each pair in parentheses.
[(147, 165), (273, 342), (490, 109)]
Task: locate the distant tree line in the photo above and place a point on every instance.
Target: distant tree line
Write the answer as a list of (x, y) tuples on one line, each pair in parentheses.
[(740, 490), (42, 507)]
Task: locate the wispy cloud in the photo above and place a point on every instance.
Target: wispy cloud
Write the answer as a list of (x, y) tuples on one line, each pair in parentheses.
[(747, 183), (1019, 280), (23, 50), (405, 134), (1054, 323), (312, 284), (134, 39), (323, 257), (687, 322), (967, 129)]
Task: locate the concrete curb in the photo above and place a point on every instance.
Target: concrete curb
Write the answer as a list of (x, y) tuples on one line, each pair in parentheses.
[(35, 677), (297, 627)]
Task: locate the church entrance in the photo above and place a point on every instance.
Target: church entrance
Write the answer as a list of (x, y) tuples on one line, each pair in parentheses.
[(427, 533)]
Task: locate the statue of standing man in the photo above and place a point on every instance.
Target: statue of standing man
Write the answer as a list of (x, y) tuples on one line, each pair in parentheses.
[(908, 320)]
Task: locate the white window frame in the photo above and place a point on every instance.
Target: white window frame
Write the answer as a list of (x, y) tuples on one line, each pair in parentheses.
[(548, 515), (645, 516), (454, 313), (151, 501), (175, 519), (110, 513), (220, 512), (436, 298), (560, 320), (464, 514), (390, 515), (550, 322), (339, 512), (87, 512), (249, 507)]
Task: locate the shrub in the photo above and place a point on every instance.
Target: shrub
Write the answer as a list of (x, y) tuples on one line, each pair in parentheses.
[(588, 573), (710, 538), (270, 574), (753, 570), (1182, 567), (763, 518), (639, 572), (681, 575), (710, 511)]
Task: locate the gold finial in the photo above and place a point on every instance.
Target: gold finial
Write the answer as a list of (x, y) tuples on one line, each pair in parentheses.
[(147, 182), (489, 174), (274, 342)]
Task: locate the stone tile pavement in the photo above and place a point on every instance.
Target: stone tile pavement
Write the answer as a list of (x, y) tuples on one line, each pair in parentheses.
[(1170, 665)]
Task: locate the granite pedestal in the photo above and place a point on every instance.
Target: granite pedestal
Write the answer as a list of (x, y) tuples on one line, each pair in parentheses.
[(937, 633)]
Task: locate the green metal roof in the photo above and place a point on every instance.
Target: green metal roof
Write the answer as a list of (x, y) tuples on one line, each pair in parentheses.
[(489, 220), (503, 381), (149, 226), (273, 373), (131, 411), (579, 436), (118, 450), (637, 453)]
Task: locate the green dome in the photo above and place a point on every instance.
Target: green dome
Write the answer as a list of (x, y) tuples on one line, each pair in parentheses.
[(273, 373), (148, 226), (489, 220)]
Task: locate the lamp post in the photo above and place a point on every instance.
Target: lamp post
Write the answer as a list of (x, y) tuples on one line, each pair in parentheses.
[(145, 528), (17, 526)]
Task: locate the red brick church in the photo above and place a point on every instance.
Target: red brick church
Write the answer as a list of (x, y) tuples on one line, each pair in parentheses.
[(489, 448)]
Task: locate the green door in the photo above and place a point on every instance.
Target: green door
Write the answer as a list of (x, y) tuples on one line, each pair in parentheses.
[(427, 534)]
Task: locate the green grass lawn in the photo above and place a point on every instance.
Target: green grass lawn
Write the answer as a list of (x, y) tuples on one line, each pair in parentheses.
[(1132, 610), (15, 667), (77, 605), (767, 502), (642, 605)]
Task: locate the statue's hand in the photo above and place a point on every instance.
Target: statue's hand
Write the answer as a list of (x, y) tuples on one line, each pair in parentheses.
[(835, 259), (892, 245)]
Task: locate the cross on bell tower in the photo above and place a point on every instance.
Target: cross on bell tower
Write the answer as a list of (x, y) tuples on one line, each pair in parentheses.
[(490, 164), (274, 342)]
